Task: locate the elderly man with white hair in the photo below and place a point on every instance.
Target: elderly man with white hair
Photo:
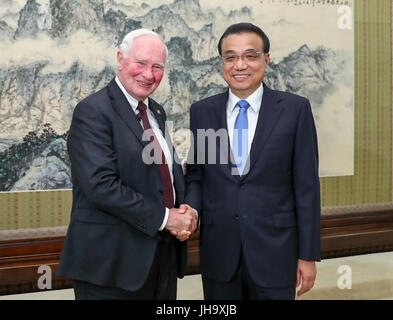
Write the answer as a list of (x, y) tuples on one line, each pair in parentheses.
[(128, 222)]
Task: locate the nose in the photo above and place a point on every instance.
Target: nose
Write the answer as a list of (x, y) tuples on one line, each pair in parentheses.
[(240, 64), (148, 73)]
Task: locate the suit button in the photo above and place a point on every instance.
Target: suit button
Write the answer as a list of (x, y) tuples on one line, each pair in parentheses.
[(236, 217)]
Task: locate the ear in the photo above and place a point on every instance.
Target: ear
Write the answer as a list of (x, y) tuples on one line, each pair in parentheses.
[(120, 60), (267, 57)]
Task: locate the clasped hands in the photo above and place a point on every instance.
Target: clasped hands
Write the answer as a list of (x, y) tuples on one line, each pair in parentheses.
[(182, 222)]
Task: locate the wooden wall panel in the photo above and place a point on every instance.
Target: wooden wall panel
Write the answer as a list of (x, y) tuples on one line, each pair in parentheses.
[(341, 236)]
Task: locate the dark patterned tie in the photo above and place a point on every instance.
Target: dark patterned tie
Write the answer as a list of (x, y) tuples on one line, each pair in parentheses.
[(161, 162)]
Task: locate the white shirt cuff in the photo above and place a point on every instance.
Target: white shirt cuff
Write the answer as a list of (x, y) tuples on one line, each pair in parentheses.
[(165, 220)]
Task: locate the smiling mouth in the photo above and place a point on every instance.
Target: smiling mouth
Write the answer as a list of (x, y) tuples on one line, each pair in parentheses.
[(240, 76), (144, 84)]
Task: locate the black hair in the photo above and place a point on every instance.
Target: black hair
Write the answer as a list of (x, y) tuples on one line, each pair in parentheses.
[(245, 27)]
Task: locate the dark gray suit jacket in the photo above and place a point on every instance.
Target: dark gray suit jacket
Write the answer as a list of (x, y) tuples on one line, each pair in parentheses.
[(117, 198), (271, 214)]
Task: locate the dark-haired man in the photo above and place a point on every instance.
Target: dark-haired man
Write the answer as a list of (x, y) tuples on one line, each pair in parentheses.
[(260, 211)]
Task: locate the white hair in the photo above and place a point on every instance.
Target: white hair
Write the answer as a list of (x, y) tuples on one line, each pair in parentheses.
[(129, 38)]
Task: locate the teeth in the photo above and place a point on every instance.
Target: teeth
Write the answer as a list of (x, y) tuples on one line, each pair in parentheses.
[(243, 76)]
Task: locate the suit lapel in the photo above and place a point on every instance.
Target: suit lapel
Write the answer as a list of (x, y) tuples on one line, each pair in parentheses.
[(123, 108), (176, 167), (269, 113), (221, 111), (154, 108)]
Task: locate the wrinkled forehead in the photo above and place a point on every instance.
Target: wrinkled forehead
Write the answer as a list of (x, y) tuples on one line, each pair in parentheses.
[(148, 46)]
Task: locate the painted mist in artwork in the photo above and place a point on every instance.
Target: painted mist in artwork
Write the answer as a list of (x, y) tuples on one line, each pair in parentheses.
[(56, 52)]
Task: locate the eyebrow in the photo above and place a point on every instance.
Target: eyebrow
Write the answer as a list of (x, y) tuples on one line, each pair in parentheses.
[(247, 50)]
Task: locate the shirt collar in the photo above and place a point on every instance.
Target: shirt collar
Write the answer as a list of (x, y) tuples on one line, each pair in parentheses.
[(254, 99), (131, 100)]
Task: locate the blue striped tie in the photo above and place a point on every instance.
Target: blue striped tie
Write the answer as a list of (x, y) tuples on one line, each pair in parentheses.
[(240, 137)]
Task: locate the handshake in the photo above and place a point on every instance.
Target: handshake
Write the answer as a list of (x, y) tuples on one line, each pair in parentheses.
[(182, 222)]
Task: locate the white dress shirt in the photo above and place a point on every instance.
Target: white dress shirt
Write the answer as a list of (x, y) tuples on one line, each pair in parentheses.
[(157, 132), (254, 100)]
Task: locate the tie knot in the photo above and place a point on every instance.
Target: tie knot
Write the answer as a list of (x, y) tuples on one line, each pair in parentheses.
[(243, 104), (141, 107), (142, 110)]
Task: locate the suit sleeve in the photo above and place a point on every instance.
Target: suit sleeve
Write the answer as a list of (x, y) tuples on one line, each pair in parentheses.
[(93, 163), (194, 170), (306, 186)]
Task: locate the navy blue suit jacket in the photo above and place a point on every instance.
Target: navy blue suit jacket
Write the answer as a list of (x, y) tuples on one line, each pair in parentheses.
[(117, 198), (272, 213)]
